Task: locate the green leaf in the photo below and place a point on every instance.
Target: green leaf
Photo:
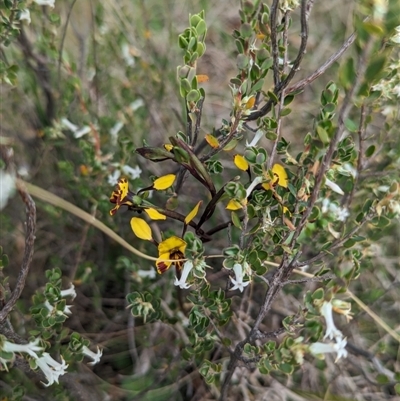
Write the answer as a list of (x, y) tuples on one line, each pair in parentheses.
[(236, 220), (193, 96), (349, 243), (271, 135), (288, 99), (351, 125), (246, 30), (273, 97), (257, 86), (370, 151), (373, 28), (286, 368), (375, 68), (323, 135), (267, 64), (380, 222), (285, 112), (318, 294), (242, 61), (347, 74), (201, 27)]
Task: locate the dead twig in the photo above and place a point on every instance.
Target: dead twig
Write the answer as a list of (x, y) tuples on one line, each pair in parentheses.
[(6, 155)]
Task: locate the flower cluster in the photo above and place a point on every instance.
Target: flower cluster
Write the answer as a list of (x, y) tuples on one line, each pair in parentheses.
[(332, 332), (171, 251), (49, 366)]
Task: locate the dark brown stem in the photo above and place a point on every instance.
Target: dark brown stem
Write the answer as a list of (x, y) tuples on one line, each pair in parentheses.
[(360, 159), (274, 41), (199, 113), (306, 81), (6, 155)]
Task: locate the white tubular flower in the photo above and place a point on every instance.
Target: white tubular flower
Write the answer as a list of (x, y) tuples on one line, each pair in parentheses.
[(133, 173), (7, 187), (25, 16), (52, 309), (70, 292), (49, 3), (127, 56), (82, 131), (258, 135), (254, 183), (67, 310), (113, 178), (331, 330), (67, 124), (187, 267), (334, 187), (114, 131), (136, 104), (147, 273), (90, 354), (51, 368), (30, 348), (318, 348), (237, 282)]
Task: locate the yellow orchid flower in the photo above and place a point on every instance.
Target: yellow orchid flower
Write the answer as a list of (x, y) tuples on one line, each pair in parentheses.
[(192, 214), (154, 214), (164, 182), (280, 177), (241, 163), (233, 205), (141, 229), (121, 195), (171, 248)]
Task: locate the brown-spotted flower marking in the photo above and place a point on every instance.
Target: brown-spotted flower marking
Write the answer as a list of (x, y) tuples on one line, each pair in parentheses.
[(121, 195), (173, 248)]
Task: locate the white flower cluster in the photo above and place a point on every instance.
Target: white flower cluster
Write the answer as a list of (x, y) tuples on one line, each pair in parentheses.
[(49, 366), (338, 345), (338, 213), (78, 132), (64, 294), (131, 172)]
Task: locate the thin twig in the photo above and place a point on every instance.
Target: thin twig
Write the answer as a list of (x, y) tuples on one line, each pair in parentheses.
[(306, 81), (303, 45), (29, 242), (311, 280), (274, 41), (281, 100), (60, 52), (199, 113), (321, 70), (360, 159)]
